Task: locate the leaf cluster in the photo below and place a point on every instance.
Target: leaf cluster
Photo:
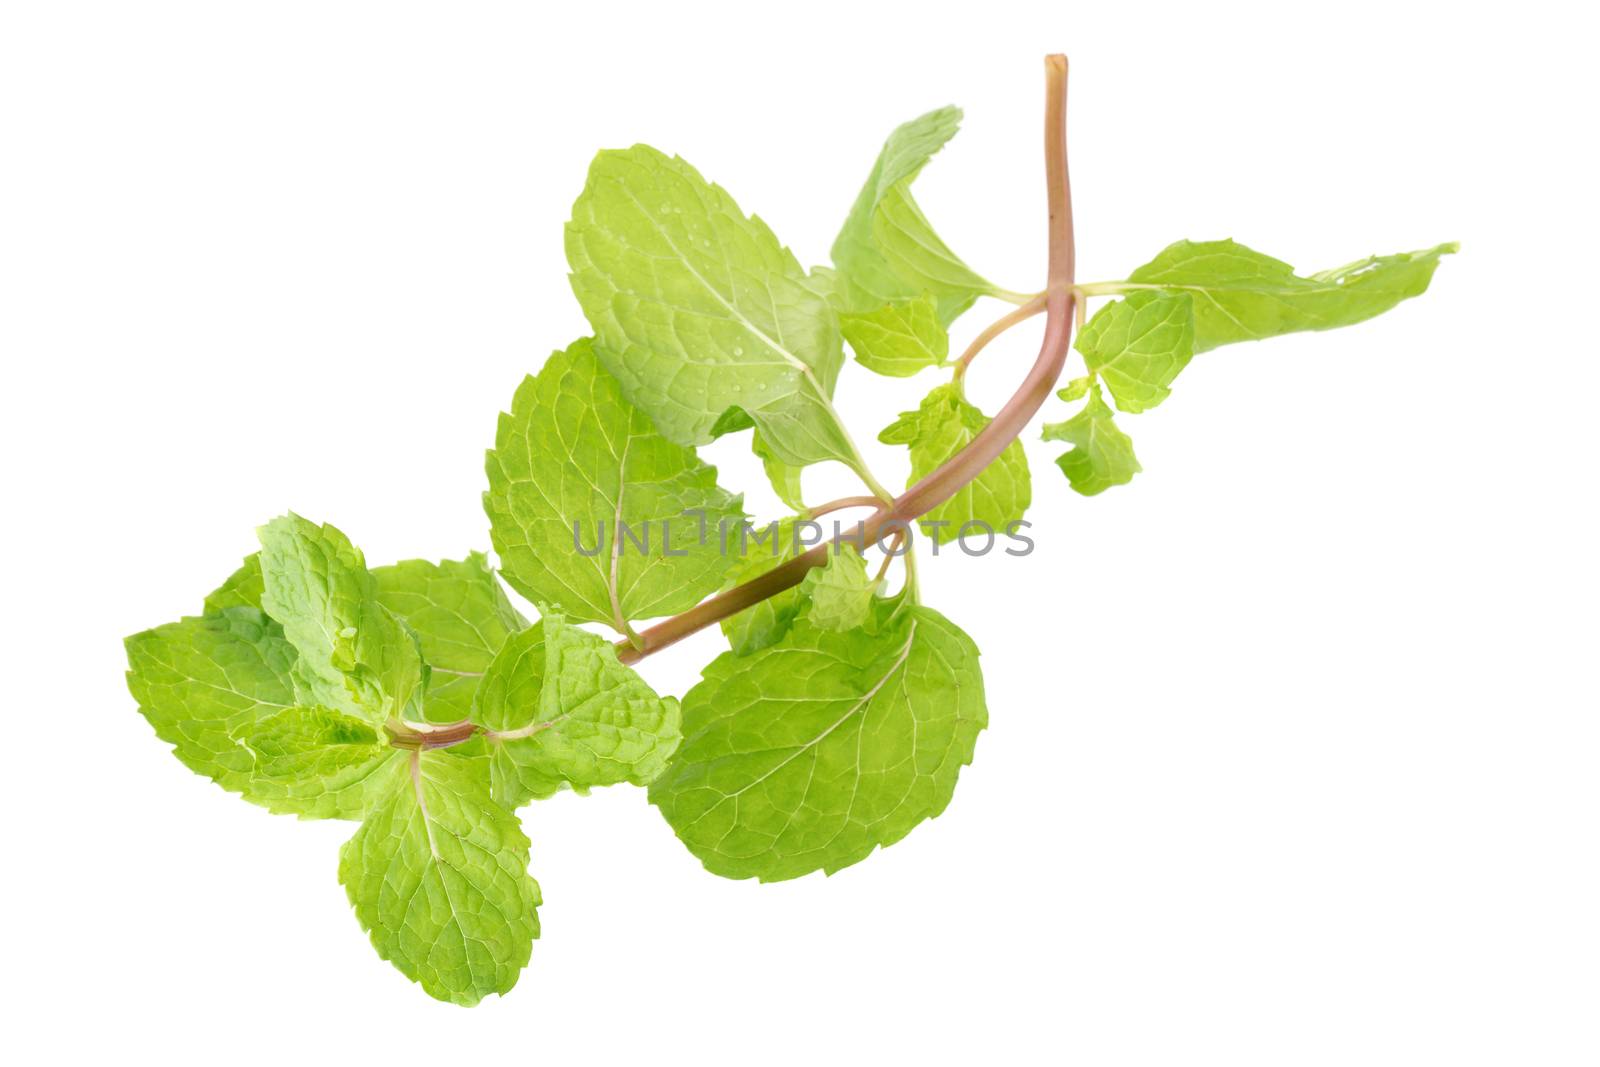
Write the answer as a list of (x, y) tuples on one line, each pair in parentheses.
[(417, 701), (313, 686)]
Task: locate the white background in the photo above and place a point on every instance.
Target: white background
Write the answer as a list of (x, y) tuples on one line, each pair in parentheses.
[(1293, 748)]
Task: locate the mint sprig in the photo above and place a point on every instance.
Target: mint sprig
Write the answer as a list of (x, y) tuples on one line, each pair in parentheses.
[(416, 700)]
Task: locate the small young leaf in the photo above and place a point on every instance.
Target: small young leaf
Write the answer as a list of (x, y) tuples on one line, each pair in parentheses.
[(1076, 389), (460, 615), (355, 655), (438, 875), (785, 478), (887, 249), (759, 549), (1102, 455), (944, 425), (840, 592), (808, 755), (565, 712), (732, 421), (314, 762), (1242, 295), (898, 339), (592, 509), (697, 308), (1137, 346), (242, 589)]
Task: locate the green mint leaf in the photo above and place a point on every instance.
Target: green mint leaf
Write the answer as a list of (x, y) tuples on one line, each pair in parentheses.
[(199, 680), (565, 712), (592, 509), (314, 762), (1137, 346), (457, 608), (1102, 455), (242, 589), (460, 615), (759, 549), (944, 425), (840, 592), (697, 308), (887, 250), (811, 753), (355, 655), (438, 875), (1242, 295), (898, 339), (785, 477)]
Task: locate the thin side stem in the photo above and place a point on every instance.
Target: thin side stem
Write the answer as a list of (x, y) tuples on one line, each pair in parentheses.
[(1120, 288), (947, 480), (842, 503), (888, 556), (517, 734), (869, 479), (996, 328), (913, 590)]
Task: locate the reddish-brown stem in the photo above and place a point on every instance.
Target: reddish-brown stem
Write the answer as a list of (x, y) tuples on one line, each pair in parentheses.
[(425, 736), (947, 480)]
